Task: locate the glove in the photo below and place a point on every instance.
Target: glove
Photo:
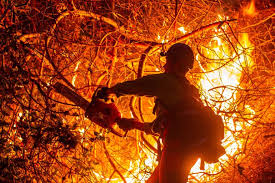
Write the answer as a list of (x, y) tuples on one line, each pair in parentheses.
[(105, 92), (126, 124), (102, 93)]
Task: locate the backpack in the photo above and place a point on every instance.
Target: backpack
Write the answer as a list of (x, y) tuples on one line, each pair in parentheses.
[(211, 149)]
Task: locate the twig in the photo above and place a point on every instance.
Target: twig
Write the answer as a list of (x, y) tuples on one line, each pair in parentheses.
[(142, 61), (260, 22), (112, 163), (113, 62), (48, 56), (148, 144), (176, 17), (198, 31), (111, 176), (24, 37)]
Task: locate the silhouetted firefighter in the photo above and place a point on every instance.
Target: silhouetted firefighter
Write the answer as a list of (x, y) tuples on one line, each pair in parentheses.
[(188, 129)]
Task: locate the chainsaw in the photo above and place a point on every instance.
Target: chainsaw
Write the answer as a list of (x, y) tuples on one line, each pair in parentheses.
[(101, 110)]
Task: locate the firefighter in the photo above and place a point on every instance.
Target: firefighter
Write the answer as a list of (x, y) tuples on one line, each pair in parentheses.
[(178, 120)]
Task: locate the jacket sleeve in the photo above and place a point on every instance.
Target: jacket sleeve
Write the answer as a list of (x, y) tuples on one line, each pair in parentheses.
[(146, 86)]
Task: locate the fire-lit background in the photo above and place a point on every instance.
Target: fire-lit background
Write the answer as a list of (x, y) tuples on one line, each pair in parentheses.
[(84, 44)]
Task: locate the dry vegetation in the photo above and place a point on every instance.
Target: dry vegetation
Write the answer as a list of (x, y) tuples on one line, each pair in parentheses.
[(89, 43)]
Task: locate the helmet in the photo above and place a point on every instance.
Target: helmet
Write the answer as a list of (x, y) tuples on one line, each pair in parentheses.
[(180, 52)]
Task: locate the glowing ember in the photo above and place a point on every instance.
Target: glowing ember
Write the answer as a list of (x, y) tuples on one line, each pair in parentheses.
[(75, 69), (181, 29)]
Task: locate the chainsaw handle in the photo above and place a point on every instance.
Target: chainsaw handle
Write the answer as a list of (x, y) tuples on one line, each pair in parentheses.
[(103, 93)]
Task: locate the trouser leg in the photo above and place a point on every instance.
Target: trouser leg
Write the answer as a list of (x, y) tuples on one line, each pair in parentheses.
[(154, 178), (175, 164)]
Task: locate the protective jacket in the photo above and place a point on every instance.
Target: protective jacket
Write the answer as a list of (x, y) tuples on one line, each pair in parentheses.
[(176, 101), (190, 129)]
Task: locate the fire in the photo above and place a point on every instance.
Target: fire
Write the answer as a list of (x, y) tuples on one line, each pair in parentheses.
[(219, 82), (250, 9), (215, 85), (182, 30), (75, 69), (222, 84), (86, 45)]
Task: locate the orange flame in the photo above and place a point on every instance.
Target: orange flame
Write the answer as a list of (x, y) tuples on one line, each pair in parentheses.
[(250, 9), (228, 75)]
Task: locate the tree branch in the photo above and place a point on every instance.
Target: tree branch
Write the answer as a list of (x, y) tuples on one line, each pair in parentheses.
[(112, 163)]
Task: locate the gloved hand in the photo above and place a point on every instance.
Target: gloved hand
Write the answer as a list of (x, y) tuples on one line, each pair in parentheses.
[(105, 93), (126, 124), (102, 93)]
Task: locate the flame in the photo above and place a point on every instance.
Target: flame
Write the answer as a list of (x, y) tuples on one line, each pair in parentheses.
[(163, 40), (75, 69), (222, 84), (250, 9), (217, 84), (182, 30), (225, 80)]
